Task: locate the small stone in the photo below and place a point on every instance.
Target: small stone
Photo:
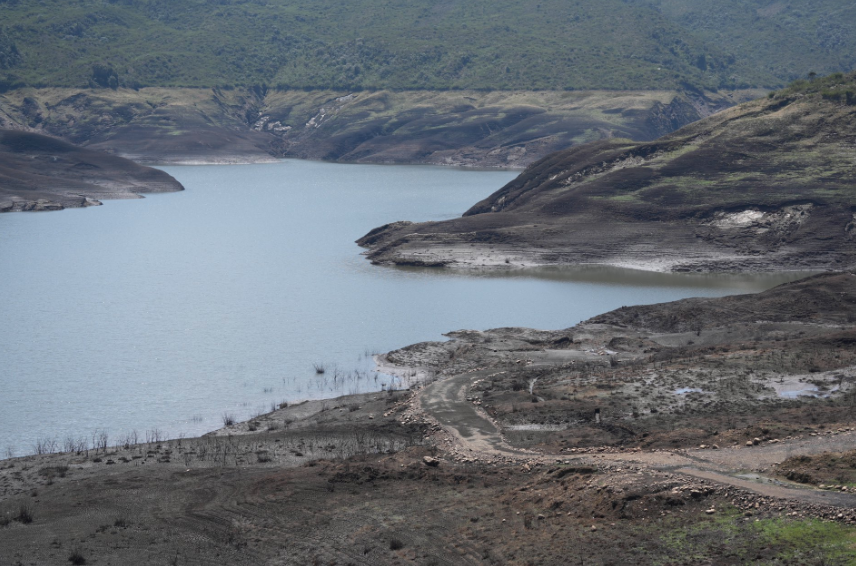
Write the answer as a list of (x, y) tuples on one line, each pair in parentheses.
[(593, 528), (431, 461)]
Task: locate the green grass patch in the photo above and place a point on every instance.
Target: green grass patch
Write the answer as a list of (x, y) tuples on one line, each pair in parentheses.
[(730, 536), (806, 538)]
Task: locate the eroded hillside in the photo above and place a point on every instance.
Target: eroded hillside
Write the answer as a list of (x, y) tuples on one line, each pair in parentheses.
[(770, 184)]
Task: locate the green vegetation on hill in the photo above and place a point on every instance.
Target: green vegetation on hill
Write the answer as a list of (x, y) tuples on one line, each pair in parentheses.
[(793, 147), (421, 44), (786, 39)]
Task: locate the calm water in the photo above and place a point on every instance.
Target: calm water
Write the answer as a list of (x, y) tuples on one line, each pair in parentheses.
[(167, 312)]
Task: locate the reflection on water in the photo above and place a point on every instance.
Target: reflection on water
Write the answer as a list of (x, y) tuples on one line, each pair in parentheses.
[(618, 276), (168, 312)]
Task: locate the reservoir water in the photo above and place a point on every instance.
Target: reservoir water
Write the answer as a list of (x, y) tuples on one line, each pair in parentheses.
[(165, 313)]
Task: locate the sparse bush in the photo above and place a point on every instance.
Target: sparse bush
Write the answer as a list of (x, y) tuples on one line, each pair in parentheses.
[(847, 97), (77, 558), (319, 368), (54, 471), (228, 419), (45, 446), (396, 544), (25, 515)]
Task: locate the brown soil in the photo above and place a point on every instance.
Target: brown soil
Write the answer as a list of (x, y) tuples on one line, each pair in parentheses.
[(835, 470)]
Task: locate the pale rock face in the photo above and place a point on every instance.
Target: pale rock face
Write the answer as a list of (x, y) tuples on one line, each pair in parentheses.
[(738, 219)]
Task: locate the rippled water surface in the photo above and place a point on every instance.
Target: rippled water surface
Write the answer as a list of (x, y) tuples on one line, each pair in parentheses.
[(167, 312)]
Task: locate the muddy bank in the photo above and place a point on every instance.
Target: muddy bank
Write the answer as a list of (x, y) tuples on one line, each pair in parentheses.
[(42, 173)]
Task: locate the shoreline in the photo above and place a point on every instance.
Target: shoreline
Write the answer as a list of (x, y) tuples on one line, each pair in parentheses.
[(468, 257), (500, 261), (508, 444)]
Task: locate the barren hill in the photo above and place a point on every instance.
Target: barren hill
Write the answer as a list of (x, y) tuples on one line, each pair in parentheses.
[(42, 173), (767, 185)]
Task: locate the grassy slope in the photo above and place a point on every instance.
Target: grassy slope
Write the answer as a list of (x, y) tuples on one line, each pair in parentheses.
[(496, 45), (792, 147)]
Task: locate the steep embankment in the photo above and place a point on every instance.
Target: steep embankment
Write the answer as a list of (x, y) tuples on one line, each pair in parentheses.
[(42, 173), (492, 129), (770, 184)]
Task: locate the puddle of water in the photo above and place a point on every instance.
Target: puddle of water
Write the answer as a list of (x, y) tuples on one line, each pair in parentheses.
[(537, 427), (758, 478), (685, 390), (800, 393), (795, 390)]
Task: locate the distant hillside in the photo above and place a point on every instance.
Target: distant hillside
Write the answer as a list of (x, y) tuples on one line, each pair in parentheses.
[(423, 44), (461, 127), (42, 173), (784, 38), (769, 184)]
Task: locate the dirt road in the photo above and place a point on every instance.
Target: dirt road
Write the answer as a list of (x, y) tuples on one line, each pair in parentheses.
[(476, 435)]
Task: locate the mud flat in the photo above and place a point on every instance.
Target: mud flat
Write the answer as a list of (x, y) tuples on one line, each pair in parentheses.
[(648, 433)]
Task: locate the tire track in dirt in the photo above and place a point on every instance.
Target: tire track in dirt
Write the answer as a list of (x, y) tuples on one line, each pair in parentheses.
[(475, 433)]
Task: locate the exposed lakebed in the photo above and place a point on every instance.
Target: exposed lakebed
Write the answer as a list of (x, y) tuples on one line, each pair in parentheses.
[(168, 312)]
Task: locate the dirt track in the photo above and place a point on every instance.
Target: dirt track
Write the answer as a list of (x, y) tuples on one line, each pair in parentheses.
[(477, 436)]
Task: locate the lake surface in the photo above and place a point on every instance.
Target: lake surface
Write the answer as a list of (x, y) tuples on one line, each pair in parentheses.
[(165, 313)]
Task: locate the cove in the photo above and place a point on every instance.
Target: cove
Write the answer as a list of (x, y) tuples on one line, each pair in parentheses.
[(167, 312)]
